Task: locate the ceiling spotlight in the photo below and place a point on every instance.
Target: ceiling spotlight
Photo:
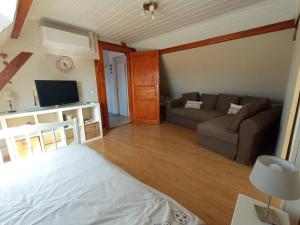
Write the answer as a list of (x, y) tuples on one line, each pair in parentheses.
[(149, 9)]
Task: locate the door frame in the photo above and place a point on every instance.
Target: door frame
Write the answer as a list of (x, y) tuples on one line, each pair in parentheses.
[(100, 78)]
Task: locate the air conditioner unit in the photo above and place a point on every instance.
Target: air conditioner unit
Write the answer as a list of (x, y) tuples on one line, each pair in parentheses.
[(69, 41)]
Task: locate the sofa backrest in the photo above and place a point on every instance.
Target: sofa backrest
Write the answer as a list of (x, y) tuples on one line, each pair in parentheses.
[(190, 96), (209, 101), (221, 102), (246, 99), (224, 101)]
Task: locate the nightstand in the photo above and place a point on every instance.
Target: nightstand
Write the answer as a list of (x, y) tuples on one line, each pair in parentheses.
[(244, 212)]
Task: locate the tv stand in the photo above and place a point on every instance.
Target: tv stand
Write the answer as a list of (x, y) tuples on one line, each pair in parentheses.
[(88, 115)]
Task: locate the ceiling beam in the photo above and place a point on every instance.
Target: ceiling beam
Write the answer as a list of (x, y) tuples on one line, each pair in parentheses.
[(228, 37), (13, 67), (115, 47), (21, 14)]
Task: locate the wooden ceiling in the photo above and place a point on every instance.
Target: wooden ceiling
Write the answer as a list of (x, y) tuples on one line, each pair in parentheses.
[(121, 20)]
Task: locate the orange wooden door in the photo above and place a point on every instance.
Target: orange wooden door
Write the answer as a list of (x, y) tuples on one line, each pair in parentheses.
[(145, 87)]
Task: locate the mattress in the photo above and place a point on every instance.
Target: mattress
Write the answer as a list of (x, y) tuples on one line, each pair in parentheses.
[(76, 185)]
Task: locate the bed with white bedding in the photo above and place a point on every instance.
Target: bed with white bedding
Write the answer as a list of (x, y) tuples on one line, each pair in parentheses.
[(75, 185)]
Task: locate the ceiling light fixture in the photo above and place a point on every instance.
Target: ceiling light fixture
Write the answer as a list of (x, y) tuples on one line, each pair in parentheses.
[(149, 9)]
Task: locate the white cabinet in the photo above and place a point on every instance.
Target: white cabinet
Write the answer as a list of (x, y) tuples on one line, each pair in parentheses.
[(244, 212), (89, 117)]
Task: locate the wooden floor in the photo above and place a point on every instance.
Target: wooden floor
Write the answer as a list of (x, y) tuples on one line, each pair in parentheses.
[(168, 158)]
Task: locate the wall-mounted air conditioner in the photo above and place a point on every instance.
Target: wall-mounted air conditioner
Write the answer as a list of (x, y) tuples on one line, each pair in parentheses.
[(59, 41)]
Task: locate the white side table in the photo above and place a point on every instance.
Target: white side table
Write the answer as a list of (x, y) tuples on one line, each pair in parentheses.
[(244, 212)]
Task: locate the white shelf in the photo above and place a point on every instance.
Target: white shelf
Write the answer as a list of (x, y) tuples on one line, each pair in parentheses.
[(91, 122), (55, 114), (44, 110)]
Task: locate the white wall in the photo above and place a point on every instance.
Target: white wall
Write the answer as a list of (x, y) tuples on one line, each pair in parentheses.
[(291, 98), (293, 207), (121, 72), (5, 34), (289, 112), (111, 83), (116, 82), (42, 66)]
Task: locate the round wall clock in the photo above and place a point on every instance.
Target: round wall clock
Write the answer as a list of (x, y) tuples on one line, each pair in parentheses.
[(64, 64)]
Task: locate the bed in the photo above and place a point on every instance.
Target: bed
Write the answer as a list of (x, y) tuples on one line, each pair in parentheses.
[(76, 185)]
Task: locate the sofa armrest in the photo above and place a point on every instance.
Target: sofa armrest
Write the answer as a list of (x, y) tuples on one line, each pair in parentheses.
[(258, 135), (173, 103)]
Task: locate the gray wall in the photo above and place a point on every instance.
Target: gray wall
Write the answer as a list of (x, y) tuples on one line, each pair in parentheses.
[(257, 65)]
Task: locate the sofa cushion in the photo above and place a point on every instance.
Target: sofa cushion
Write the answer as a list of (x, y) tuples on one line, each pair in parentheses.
[(190, 96), (248, 99), (224, 101), (247, 111), (217, 129), (193, 105), (195, 114), (209, 101), (234, 109)]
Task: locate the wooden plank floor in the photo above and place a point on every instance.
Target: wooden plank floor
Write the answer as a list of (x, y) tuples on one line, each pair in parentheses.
[(168, 158)]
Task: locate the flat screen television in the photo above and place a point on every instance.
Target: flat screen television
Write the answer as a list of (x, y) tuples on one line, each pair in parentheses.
[(56, 92)]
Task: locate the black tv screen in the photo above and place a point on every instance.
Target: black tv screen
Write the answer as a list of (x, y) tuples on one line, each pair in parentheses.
[(56, 92)]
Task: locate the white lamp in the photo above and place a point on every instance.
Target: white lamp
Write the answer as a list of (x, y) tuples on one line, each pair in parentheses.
[(275, 177), (9, 96)]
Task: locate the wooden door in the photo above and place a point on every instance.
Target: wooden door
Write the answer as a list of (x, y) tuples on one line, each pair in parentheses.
[(145, 87)]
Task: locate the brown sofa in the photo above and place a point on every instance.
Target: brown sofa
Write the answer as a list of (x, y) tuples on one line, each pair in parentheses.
[(242, 137)]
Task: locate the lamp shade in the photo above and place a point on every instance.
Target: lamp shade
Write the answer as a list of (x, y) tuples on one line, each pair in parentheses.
[(276, 177)]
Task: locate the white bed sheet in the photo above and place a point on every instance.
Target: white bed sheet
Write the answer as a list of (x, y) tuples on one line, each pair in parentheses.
[(77, 186)]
